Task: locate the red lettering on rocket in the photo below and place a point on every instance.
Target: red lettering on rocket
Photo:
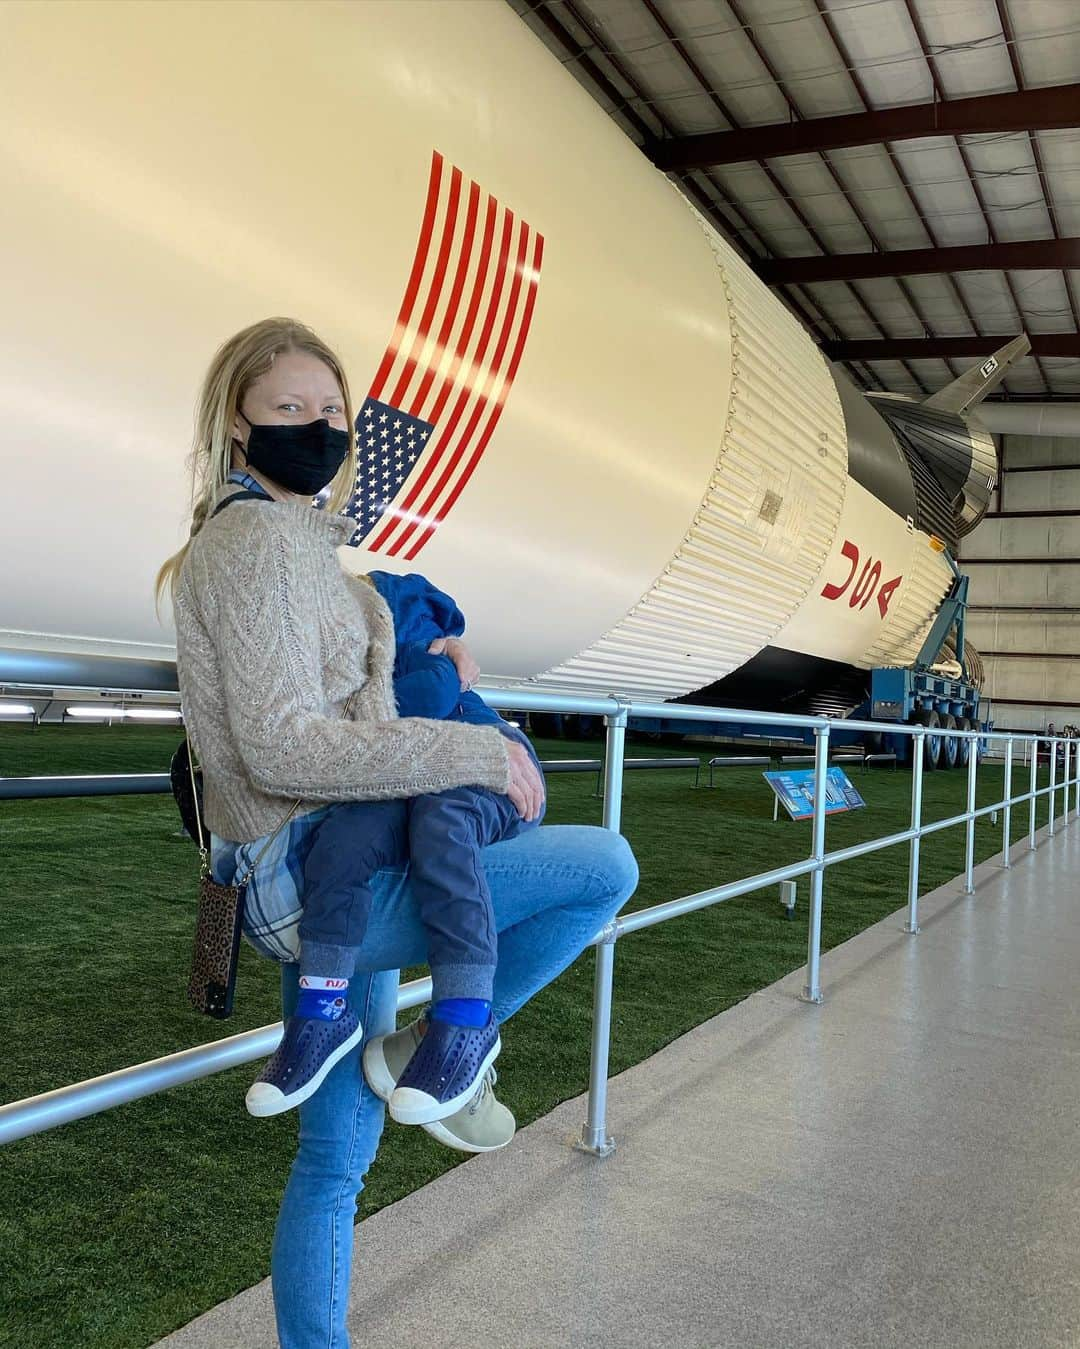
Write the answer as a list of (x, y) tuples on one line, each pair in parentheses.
[(866, 586)]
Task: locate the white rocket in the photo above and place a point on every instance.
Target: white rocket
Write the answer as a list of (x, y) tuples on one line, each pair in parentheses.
[(614, 447)]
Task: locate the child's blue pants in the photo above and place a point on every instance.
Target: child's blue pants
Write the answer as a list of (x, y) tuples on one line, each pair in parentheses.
[(439, 835)]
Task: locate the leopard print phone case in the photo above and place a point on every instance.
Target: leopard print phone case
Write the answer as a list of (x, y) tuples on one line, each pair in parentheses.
[(218, 923)]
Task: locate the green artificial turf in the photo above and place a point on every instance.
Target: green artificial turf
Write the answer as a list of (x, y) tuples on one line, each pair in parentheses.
[(116, 1229)]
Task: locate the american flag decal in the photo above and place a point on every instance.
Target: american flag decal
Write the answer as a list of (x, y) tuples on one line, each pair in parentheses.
[(448, 369)]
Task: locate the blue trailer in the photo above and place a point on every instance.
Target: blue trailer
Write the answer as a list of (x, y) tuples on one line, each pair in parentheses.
[(923, 696)]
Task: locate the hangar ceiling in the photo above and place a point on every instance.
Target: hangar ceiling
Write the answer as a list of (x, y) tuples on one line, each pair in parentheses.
[(906, 173)]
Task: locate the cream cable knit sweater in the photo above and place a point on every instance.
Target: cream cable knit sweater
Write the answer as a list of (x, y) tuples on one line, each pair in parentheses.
[(272, 635)]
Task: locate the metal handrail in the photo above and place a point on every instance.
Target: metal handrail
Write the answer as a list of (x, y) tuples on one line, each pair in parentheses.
[(51, 1109), (84, 784)]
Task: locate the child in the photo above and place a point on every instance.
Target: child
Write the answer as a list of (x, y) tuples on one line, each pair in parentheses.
[(439, 835)]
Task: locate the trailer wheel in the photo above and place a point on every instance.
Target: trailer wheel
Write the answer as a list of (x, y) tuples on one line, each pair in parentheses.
[(873, 742), (967, 747), (949, 744), (931, 741)]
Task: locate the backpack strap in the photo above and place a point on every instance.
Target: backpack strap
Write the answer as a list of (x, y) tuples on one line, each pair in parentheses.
[(246, 494)]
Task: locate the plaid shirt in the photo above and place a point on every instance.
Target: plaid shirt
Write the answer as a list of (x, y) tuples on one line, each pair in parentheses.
[(273, 902)]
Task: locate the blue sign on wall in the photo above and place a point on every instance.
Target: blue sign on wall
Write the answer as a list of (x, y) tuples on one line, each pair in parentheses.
[(796, 792)]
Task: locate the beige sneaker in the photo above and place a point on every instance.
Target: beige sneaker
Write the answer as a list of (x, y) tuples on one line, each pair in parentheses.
[(484, 1125)]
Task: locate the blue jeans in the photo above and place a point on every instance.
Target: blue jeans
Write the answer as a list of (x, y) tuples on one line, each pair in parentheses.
[(552, 891)]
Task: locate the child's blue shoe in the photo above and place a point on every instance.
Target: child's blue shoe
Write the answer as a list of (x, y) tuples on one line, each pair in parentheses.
[(310, 1046), (445, 1071)]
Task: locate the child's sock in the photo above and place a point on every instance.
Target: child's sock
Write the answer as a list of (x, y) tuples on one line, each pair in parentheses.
[(462, 1011), (323, 998)]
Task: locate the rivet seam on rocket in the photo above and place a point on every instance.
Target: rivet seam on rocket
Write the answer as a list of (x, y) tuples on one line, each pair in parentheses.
[(757, 544), (909, 623)]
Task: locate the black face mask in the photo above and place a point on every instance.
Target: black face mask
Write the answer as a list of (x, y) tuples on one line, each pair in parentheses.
[(303, 459)]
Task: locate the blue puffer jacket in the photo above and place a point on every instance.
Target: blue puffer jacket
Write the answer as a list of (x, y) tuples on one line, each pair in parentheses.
[(426, 685)]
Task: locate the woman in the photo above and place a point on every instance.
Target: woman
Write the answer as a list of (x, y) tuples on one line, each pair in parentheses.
[(274, 641)]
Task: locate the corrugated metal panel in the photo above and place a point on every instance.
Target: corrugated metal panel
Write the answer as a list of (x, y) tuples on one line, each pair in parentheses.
[(1012, 631), (1055, 584), (981, 481), (766, 520), (1040, 537), (939, 449), (908, 625), (1053, 490), (1035, 451), (934, 508)]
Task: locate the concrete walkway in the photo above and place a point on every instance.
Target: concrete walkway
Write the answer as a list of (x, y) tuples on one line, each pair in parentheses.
[(900, 1166)]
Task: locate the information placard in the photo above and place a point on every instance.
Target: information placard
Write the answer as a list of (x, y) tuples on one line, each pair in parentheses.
[(796, 792)]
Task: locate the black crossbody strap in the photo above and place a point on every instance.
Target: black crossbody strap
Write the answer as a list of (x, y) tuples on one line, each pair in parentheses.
[(245, 495)]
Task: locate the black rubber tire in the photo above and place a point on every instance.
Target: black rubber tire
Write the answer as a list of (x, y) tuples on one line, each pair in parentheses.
[(873, 742), (949, 744), (967, 746), (931, 742)]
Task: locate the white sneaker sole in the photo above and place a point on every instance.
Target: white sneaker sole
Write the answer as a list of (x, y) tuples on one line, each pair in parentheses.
[(263, 1099), (443, 1134), (409, 1106)]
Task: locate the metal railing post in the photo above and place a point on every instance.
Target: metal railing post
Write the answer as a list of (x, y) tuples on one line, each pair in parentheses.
[(1006, 824), (1076, 781), (1065, 764), (1033, 787), (918, 745), (969, 850), (1053, 784), (594, 1135), (812, 991)]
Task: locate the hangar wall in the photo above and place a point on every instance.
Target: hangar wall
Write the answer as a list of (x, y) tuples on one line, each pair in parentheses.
[(1024, 564)]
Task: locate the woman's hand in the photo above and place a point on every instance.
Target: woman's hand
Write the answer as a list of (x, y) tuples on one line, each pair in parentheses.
[(526, 788), (459, 653)]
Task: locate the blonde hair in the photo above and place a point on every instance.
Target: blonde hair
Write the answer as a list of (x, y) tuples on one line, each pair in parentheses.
[(236, 365)]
